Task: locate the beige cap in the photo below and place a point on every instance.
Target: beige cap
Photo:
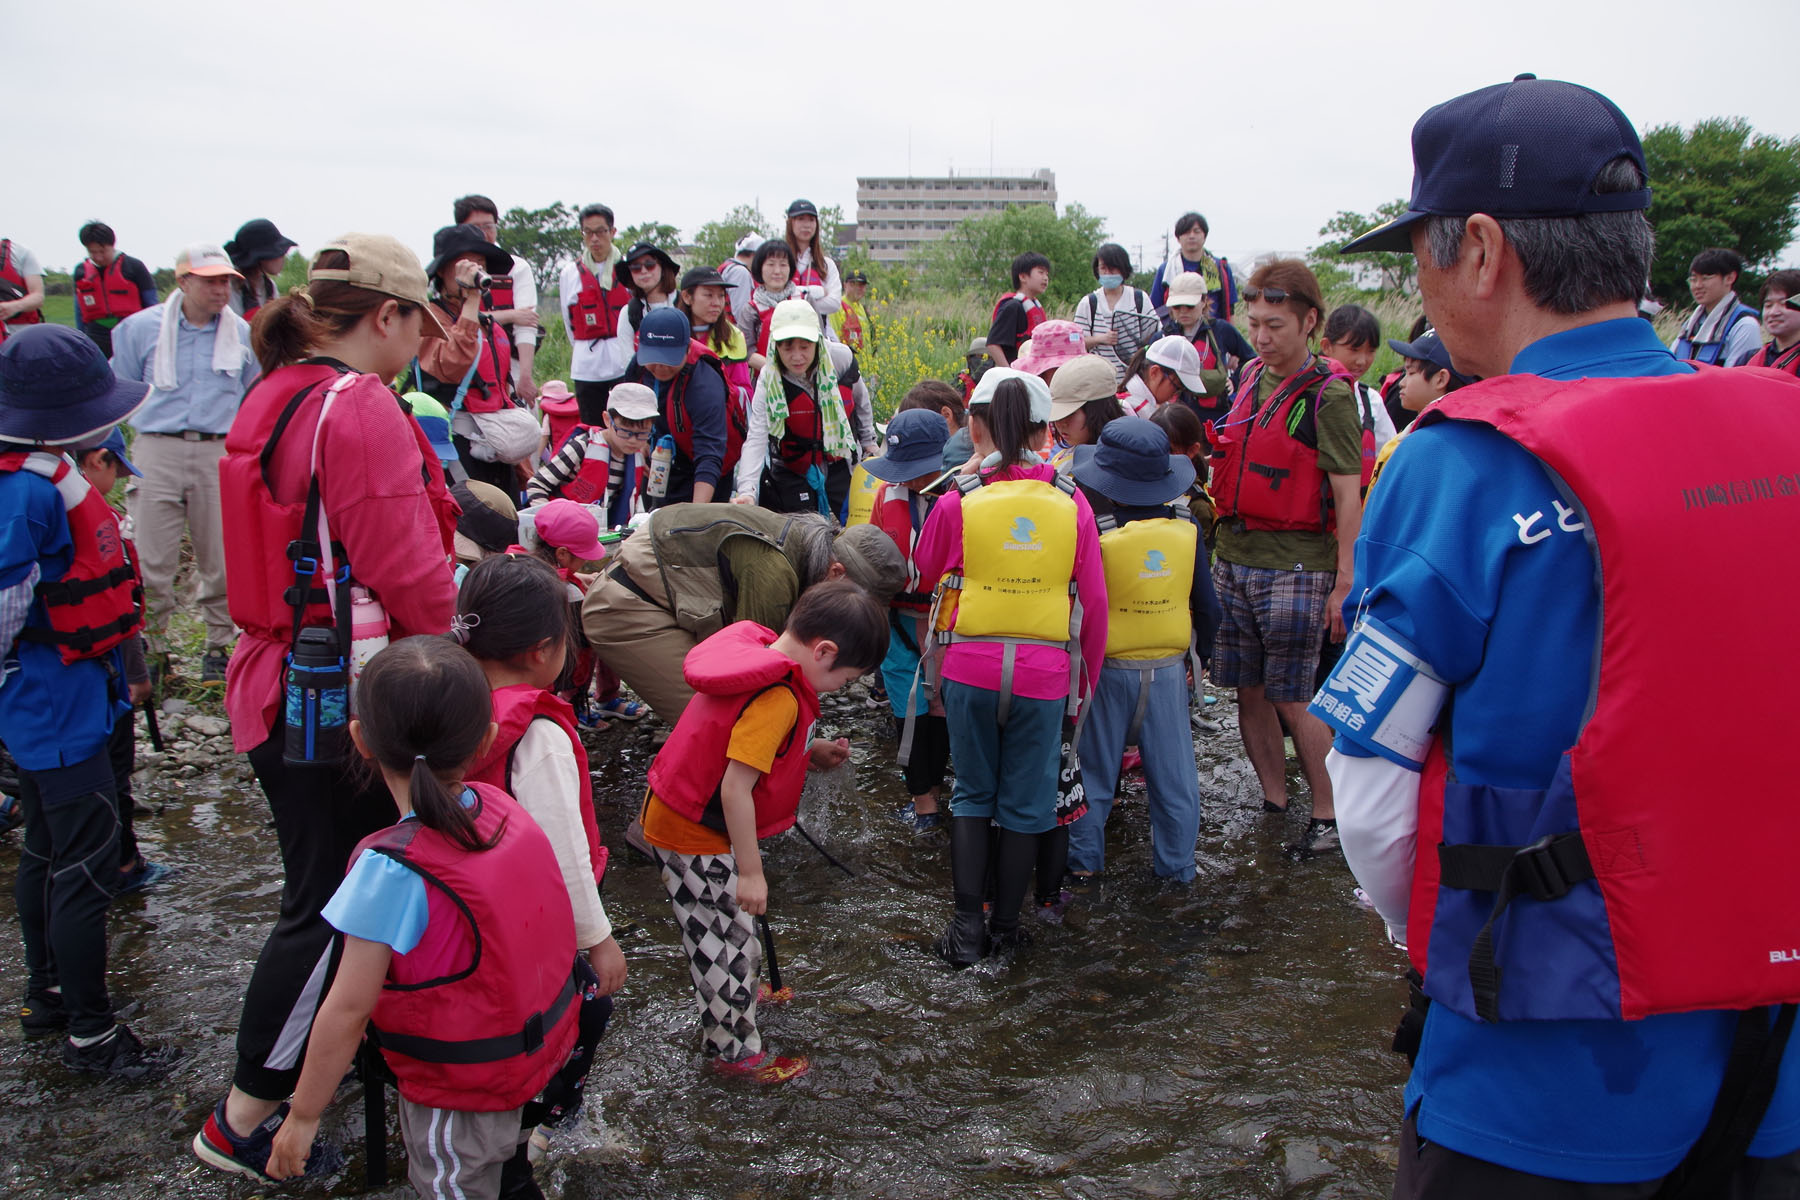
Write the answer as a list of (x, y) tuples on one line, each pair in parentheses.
[(203, 258), (1088, 377), (793, 319), (382, 264), (1189, 287)]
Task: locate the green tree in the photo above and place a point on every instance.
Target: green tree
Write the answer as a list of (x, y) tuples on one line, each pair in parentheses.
[(293, 273), (717, 241), (1718, 184), (977, 255), (544, 237), (1396, 272), (658, 234)]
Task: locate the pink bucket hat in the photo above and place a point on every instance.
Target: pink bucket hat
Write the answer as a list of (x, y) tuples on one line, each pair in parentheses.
[(572, 527), (1053, 343)]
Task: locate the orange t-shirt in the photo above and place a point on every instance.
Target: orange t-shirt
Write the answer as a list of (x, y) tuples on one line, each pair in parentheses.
[(761, 730)]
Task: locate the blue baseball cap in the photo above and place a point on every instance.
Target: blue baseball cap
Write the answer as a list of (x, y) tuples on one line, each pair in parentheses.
[(663, 337), (1529, 148), (114, 442), (1429, 349), (915, 447)]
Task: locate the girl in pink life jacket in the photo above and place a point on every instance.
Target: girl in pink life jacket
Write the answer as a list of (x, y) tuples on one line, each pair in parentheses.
[(457, 931)]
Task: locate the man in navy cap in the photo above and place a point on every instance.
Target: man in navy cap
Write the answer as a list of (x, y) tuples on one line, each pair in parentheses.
[(690, 394), (1603, 917), (67, 603)]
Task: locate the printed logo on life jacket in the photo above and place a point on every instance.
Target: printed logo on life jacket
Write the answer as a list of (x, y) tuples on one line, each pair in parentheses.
[(106, 540), (1024, 535), (1790, 957), (1155, 566)]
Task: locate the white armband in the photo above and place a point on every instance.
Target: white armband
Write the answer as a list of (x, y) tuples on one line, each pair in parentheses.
[(1382, 696)]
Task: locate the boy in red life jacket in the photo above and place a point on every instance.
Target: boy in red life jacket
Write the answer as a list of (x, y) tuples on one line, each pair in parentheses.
[(1020, 311), (604, 466), (730, 775), (912, 460), (103, 464), (1781, 317)]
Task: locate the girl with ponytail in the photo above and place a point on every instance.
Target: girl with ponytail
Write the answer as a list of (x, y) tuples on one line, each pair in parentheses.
[(1011, 545), (457, 934)]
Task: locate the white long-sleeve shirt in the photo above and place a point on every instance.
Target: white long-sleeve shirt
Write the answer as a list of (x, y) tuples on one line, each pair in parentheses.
[(547, 782), (1378, 825)]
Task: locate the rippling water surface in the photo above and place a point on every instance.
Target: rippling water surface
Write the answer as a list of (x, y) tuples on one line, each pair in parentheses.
[(1225, 1042)]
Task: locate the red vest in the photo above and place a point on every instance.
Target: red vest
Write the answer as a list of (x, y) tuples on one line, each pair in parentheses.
[(490, 387), (1365, 416), (727, 671), (564, 417), (104, 292), (515, 708), (589, 484), (9, 271), (499, 292), (515, 1008), (1782, 360), (1664, 878), (675, 414), (1262, 474), (1034, 311), (894, 518), (594, 312), (852, 332), (98, 601)]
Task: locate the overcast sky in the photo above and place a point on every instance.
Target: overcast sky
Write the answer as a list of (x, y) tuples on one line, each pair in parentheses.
[(176, 121)]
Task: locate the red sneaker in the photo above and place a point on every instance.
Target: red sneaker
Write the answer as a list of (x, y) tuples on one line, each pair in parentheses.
[(764, 1068), (768, 995)]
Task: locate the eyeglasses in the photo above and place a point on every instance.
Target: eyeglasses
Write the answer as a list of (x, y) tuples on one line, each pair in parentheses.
[(594, 233), (633, 435)]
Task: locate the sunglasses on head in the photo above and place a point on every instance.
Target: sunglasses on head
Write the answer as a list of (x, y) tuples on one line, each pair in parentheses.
[(1273, 295)]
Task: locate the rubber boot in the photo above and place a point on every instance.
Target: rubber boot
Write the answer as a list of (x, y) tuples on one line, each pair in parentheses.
[(516, 1176), (965, 942), (1052, 864), (1012, 875)]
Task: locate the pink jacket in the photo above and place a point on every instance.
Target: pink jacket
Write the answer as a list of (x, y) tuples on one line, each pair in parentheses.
[(1039, 672)]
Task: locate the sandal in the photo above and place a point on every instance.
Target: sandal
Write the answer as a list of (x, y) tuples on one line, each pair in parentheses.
[(622, 709)]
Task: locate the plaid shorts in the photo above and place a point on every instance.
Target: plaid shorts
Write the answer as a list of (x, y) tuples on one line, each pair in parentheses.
[(1273, 628)]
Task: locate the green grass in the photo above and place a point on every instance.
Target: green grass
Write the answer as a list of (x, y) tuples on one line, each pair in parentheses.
[(59, 310)]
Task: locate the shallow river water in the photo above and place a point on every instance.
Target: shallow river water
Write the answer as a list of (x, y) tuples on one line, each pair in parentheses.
[(1228, 1042)]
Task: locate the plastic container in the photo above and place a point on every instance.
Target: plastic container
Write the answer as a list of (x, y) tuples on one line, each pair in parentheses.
[(368, 634), (316, 701)]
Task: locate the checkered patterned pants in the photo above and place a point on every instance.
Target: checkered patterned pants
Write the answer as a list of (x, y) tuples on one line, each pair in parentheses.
[(722, 948)]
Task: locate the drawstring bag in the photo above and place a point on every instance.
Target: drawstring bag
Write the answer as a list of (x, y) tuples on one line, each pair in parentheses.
[(1071, 797)]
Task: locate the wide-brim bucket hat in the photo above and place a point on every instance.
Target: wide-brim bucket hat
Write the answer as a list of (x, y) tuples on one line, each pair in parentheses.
[(56, 388)]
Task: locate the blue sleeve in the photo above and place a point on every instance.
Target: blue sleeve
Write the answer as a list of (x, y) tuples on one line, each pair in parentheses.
[(33, 527), (128, 356), (139, 274), (1159, 290), (705, 401), (380, 901)]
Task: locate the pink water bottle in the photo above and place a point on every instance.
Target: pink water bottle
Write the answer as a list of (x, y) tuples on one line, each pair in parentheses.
[(368, 634)]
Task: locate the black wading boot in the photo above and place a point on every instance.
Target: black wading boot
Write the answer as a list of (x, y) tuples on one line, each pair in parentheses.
[(1012, 876), (965, 943)]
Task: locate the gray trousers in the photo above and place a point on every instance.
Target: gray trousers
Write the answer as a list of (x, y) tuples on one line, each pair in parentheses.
[(179, 493)]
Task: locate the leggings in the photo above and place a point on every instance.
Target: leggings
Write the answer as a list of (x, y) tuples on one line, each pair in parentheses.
[(723, 952), (321, 813)]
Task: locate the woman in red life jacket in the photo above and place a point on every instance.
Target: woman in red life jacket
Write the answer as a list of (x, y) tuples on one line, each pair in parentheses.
[(470, 370), (773, 271), (1781, 319), (797, 451), (457, 931), (648, 273), (706, 300), (814, 271), (381, 496)]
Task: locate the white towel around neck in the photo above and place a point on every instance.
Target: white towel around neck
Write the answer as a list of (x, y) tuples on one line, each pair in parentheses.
[(228, 345)]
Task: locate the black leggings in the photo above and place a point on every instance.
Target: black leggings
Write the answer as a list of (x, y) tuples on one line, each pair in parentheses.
[(498, 474), (67, 867), (321, 814), (590, 396), (930, 752), (122, 751)]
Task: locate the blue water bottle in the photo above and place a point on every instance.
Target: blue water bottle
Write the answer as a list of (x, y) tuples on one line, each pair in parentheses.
[(317, 701)]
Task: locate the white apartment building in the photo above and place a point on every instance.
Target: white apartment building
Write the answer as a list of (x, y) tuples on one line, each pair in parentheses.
[(895, 215)]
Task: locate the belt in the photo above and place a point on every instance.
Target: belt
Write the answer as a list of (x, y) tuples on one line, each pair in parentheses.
[(186, 435)]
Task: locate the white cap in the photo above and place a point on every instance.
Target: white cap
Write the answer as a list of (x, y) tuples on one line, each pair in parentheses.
[(1175, 353), (749, 244), (1035, 387), (633, 401), (1189, 287)]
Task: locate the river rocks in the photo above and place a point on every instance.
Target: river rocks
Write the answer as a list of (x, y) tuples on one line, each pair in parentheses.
[(207, 726), (176, 706)]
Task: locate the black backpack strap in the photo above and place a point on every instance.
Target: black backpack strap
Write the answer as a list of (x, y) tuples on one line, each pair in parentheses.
[(1757, 1047)]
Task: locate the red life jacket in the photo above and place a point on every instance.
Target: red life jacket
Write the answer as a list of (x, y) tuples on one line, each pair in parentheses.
[(564, 417), (727, 671), (499, 292), (589, 484), (98, 601), (267, 551), (515, 708), (10, 273), (1365, 415), (1781, 360), (103, 293), (594, 312), (1265, 461), (852, 332), (894, 518), (1034, 311), (802, 444), (488, 1036), (1663, 880), (673, 404), (490, 386)]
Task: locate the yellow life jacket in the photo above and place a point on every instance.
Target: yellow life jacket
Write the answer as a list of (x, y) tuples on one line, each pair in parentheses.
[(1018, 543), (863, 487), (1149, 576)]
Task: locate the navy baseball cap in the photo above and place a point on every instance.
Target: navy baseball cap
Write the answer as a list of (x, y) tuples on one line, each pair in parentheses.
[(663, 339), (1429, 349), (915, 446), (1529, 148)]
